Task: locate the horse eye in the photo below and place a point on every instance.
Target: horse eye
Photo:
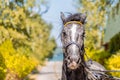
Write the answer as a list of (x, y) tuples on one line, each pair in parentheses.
[(83, 35), (64, 34)]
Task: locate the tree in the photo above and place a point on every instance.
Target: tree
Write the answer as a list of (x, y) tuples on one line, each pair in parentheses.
[(26, 33), (18, 25), (97, 11)]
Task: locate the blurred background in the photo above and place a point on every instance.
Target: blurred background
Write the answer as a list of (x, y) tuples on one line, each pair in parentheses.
[(30, 36)]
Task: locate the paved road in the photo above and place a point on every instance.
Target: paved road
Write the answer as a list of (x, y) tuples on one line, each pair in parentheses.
[(51, 71)]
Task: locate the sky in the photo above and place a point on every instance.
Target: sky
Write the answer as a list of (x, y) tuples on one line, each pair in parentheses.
[(53, 15)]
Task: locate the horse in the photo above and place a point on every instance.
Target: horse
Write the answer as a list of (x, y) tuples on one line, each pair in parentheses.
[(74, 65), (72, 38)]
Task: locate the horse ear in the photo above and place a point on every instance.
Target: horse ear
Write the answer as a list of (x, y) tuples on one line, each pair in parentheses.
[(84, 16), (62, 17)]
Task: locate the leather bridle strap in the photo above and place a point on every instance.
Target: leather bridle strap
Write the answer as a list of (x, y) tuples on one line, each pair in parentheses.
[(66, 46), (80, 47), (76, 22)]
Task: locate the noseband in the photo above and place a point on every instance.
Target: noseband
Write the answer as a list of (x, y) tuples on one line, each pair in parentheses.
[(80, 47), (81, 50), (66, 46)]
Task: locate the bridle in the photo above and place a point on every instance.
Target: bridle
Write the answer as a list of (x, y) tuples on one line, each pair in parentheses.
[(81, 48), (72, 42)]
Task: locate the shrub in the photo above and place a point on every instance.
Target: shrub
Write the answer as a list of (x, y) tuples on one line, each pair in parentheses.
[(114, 44), (16, 63), (22, 36), (2, 67), (113, 63), (97, 55)]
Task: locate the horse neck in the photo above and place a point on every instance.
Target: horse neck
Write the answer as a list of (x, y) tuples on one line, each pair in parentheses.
[(79, 74)]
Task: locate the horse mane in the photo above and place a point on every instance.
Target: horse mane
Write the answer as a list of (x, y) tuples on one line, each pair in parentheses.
[(76, 17)]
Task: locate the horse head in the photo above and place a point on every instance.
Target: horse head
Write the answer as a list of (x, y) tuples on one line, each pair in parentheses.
[(72, 38)]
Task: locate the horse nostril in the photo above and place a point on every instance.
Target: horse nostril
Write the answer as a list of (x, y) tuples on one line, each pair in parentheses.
[(68, 58), (73, 59), (72, 65)]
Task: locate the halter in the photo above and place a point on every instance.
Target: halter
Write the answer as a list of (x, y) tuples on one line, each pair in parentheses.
[(76, 22)]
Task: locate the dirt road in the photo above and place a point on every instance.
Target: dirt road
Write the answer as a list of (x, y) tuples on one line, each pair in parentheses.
[(51, 71)]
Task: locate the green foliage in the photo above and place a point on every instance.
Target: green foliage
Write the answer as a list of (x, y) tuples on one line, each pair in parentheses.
[(96, 10), (25, 28), (113, 63), (114, 44), (95, 21)]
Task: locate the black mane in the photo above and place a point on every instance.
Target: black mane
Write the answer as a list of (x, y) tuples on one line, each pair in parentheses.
[(76, 17)]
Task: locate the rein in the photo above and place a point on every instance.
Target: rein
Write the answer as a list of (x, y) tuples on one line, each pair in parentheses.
[(105, 70)]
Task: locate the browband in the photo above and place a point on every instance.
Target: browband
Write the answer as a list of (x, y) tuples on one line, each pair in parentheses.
[(77, 22)]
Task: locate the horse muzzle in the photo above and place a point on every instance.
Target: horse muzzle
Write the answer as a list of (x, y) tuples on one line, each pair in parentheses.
[(73, 56), (73, 65)]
